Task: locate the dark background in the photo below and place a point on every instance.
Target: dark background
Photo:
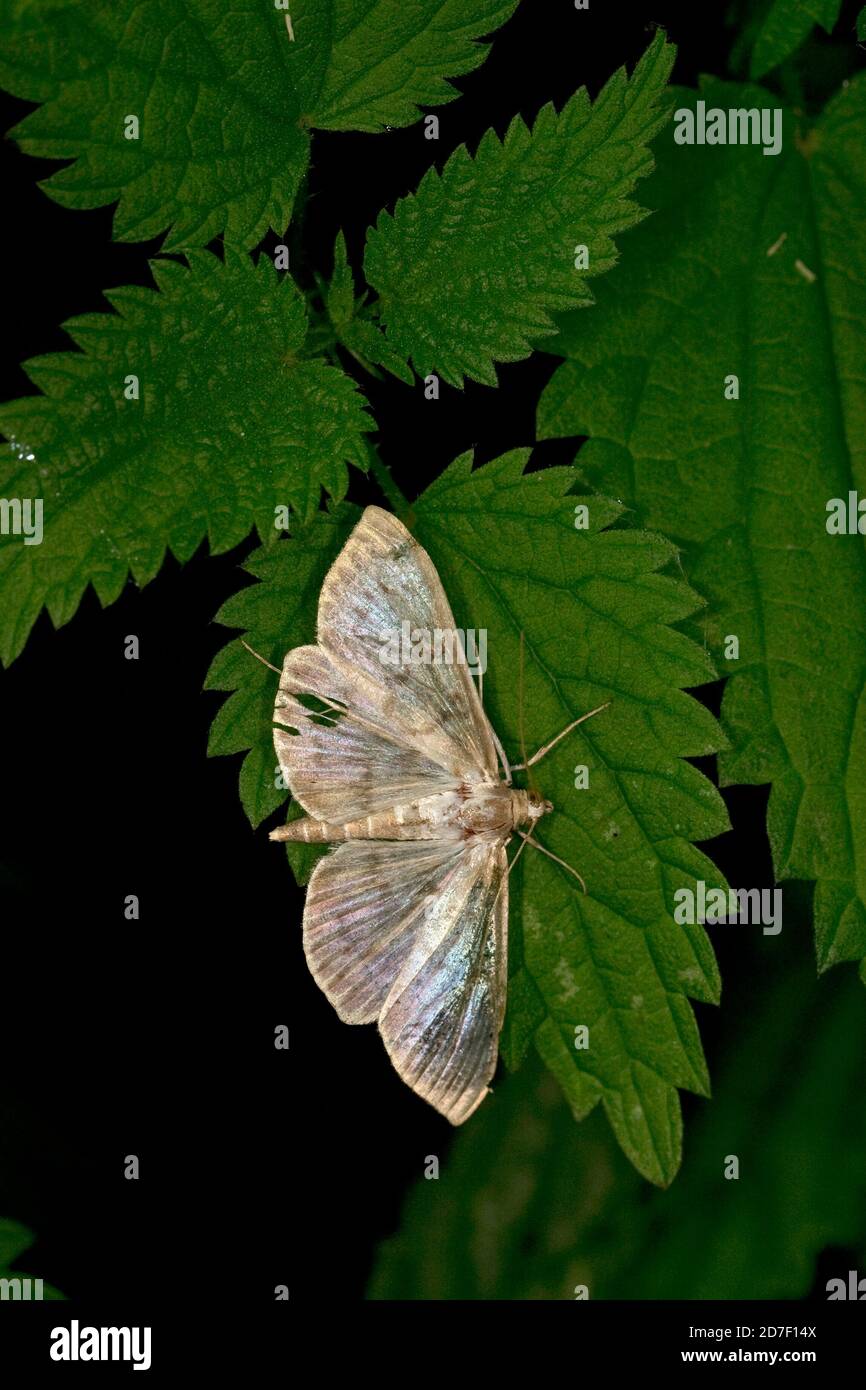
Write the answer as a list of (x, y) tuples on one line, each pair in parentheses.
[(155, 1037)]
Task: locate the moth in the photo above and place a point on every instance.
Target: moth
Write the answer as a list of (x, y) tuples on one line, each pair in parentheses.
[(406, 921)]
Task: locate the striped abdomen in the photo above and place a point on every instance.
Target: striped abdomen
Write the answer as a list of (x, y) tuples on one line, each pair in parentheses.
[(431, 818)]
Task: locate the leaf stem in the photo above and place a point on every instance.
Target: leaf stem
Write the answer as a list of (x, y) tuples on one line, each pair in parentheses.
[(401, 505), (295, 230)]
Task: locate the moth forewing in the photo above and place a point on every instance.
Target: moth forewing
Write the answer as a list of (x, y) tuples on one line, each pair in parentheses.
[(381, 579), (358, 766)]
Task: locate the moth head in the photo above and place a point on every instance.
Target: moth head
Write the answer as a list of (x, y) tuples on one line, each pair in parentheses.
[(537, 806)]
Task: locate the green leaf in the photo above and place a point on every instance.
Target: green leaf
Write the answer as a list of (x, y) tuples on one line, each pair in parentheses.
[(230, 424), (276, 614), (470, 267), (352, 325), (223, 96), (529, 1207), (14, 1240), (861, 25), (596, 610), (387, 58), (753, 267), (220, 147), (782, 25)]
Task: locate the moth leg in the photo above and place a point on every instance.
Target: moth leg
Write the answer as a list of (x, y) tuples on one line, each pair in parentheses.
[(542, 752), (555, 857), (525, 841)]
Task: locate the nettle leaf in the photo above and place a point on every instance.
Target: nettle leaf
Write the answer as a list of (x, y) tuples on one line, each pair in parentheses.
[(224, 97), (559, 1208), (354, 328), (387, 58), (596, 610), (470, 267), (227, 423), (14, 1240), (753, 267), (219, 146), (779, 27), (276, 614)]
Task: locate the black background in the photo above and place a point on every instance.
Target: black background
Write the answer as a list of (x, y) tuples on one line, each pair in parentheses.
[(155, 1037)]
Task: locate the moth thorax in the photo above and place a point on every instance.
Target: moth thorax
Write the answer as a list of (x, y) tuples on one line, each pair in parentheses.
[(527, 807)]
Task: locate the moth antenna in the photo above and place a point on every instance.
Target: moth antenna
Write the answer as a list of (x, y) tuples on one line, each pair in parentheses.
[(260, 658), (555, 857), (543, 752)]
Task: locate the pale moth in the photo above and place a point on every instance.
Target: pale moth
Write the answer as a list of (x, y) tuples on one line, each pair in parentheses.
[(406, 921)]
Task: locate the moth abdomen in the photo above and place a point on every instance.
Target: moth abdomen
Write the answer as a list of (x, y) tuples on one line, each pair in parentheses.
[(311, 832), (428, 818)]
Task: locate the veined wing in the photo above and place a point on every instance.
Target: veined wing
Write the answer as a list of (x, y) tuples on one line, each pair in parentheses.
[(381, 579), (443, 1015), (366, 901), (409, 730), (415, 934), (355, 766)]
